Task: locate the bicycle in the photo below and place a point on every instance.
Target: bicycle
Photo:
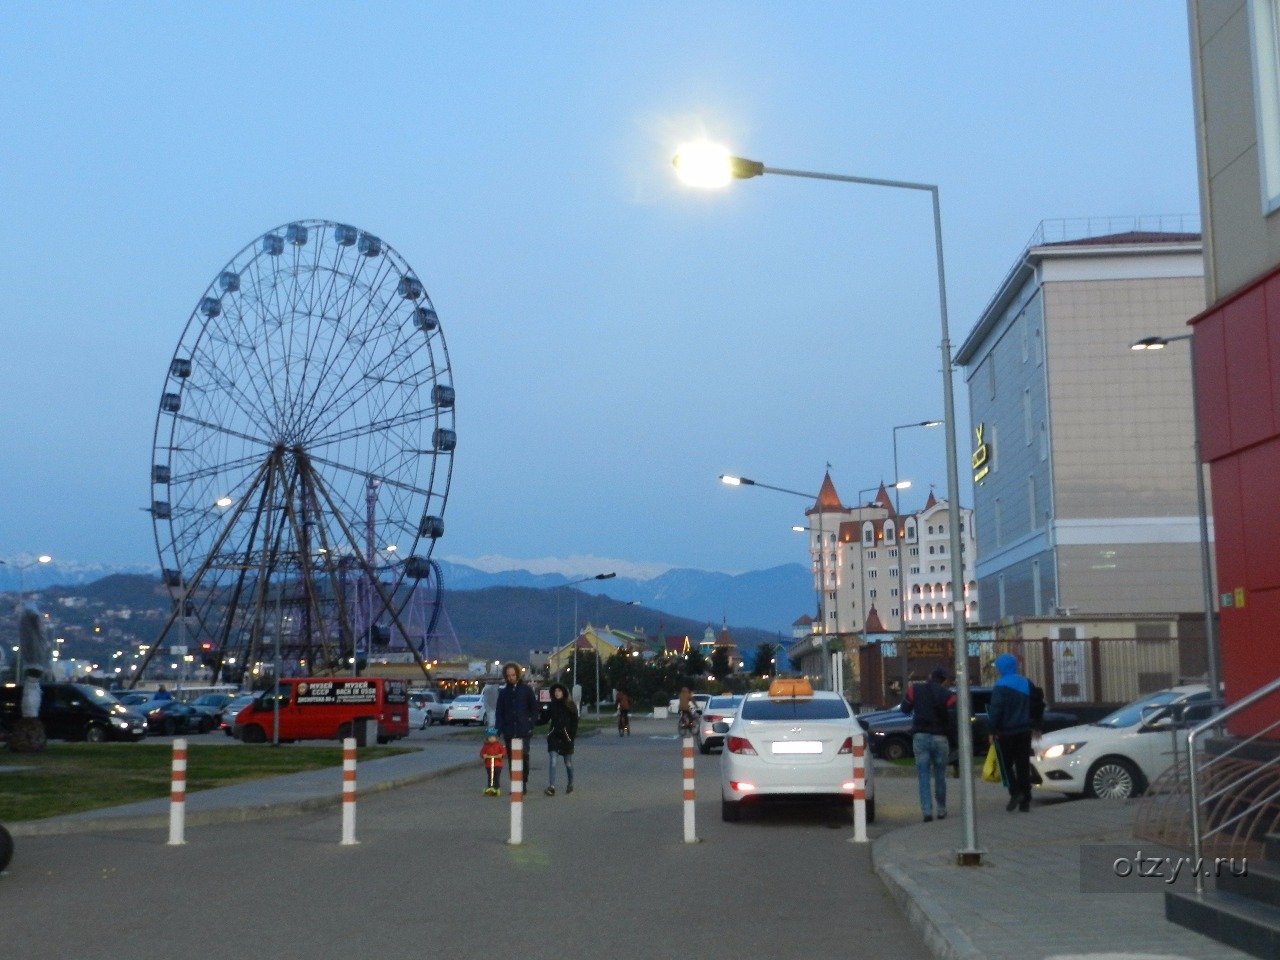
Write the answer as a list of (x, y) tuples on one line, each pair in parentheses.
[(687, 723), (624, 723)]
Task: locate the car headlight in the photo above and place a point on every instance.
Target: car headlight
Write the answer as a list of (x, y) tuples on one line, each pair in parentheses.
[(1061, 750)]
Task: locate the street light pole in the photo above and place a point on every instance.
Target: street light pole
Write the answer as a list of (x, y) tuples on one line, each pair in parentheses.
[(1214, 654), (708, 165), (899, 534), (571, 583), (822, 560)]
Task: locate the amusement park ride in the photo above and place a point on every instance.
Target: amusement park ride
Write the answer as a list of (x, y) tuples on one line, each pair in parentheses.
[(294, 500)]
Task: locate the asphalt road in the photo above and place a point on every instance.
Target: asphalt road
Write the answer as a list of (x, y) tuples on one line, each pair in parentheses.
[(603, 872)]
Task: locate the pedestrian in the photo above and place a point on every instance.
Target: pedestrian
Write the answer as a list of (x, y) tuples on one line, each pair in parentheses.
[(931, 706), (623, 700), (1009, 715), (489, 694), (492, 755), (516, 711), (563, 717)]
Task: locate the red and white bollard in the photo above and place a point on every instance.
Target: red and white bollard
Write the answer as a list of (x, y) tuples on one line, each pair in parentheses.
[(178, 794), (349, 791), (859, 788), (689, 835), (517, 792)]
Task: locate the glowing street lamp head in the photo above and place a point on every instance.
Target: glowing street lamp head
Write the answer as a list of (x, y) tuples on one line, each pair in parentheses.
[(44, 558), (705, 164)]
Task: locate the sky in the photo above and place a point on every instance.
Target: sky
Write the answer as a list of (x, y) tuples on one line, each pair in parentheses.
[(617, 339)]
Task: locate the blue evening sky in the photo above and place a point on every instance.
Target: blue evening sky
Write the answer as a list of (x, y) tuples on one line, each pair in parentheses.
[(617, 339)]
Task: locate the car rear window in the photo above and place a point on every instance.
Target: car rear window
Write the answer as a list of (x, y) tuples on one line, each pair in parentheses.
[(825, 708), (721, 703)]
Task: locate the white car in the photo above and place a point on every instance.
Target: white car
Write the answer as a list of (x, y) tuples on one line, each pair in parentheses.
[(1118, 757), (791, 743), (468, 708), (720, 709)]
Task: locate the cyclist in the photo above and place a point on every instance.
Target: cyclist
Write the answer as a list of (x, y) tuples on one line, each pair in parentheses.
[(687, 708), (624, 713)]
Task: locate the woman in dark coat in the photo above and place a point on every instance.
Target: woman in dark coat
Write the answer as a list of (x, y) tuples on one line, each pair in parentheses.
[(563, 716)]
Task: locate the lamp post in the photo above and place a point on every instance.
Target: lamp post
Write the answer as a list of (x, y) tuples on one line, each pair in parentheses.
[(23, 568), (822, 559), (708, 165), (572, 583), (1206, 572), (595, 708), (898, 536)]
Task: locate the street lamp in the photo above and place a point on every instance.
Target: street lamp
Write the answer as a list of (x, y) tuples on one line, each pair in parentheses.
[(1206, 572), (22, 570), (902, 583), (572, 583), (822, 556), (595, 709), (710, 165)]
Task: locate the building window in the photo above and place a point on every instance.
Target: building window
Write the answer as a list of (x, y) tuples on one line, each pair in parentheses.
[(893, 552), (893, 592), (894, 611), (872, 593), (916, 569), (1264, 22), (868, 534), (871, 554), (1044, 441), (942, 548), (931, 549), (871, 574), (1031, 501), (915, 552), (893, 571), (991, 374), (1027, 432)]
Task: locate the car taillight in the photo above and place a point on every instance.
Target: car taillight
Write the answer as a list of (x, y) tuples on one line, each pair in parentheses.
[(846, 747), (741, 745), (741, 786), (711, 718)]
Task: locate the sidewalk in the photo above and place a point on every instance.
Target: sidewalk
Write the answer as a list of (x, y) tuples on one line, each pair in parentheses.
[(1024, 901)]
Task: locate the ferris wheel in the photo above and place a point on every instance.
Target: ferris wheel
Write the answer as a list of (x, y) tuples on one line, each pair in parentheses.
[(302, 454)]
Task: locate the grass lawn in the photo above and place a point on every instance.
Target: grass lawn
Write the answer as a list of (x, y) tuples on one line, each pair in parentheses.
[(71, 777)]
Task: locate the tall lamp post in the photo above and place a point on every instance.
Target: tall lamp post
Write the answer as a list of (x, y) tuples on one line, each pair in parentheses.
[(822, 559), (901, 544), (707, 165), (574, 583), (1206, 571), (23, 568)]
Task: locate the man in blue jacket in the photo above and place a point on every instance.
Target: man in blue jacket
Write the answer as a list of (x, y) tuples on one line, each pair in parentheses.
[(516, 712), (1010, 717)]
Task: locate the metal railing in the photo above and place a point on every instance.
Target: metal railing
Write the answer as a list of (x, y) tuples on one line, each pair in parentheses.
[(1230, 785)]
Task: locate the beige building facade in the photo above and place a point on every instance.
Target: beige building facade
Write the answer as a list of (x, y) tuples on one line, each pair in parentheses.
[(1082, 449)]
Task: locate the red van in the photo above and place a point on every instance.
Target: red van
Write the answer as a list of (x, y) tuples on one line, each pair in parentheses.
[(328, 708)]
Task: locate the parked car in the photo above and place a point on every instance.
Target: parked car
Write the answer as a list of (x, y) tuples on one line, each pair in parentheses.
[(171, 717), (720, 709), (426, 708), (227, 718), (1118, 757), (889, 731), (74, 711), (468, 708), (212, 704), (790, 743)]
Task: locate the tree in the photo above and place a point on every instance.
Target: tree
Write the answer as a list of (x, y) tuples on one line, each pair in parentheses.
[(765, 654), (720, 665), (695, 663)]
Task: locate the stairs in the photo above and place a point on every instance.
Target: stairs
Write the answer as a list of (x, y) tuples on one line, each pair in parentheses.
[(1240, 911)]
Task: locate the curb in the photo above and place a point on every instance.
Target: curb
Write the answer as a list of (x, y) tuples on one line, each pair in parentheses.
[(88, 823), (944, 938)]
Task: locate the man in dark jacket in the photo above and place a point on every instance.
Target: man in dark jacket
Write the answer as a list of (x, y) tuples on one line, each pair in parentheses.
[(516, 712), (1010, 717), (930, 705)]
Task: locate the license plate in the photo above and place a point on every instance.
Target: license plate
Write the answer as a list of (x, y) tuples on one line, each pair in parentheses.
[(797, 746)]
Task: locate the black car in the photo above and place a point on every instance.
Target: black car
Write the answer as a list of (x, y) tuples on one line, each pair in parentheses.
[(171, 717), (889, 731), (74, 711)]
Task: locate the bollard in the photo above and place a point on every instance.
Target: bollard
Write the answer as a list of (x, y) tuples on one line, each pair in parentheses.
[(859, 788), (517, 792), (687, 751), (349, 791), (178, 794)]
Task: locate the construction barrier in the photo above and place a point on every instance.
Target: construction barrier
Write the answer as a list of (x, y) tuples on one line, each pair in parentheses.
[(689, 835), (349, 791), (178, 794), (517, 792)]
